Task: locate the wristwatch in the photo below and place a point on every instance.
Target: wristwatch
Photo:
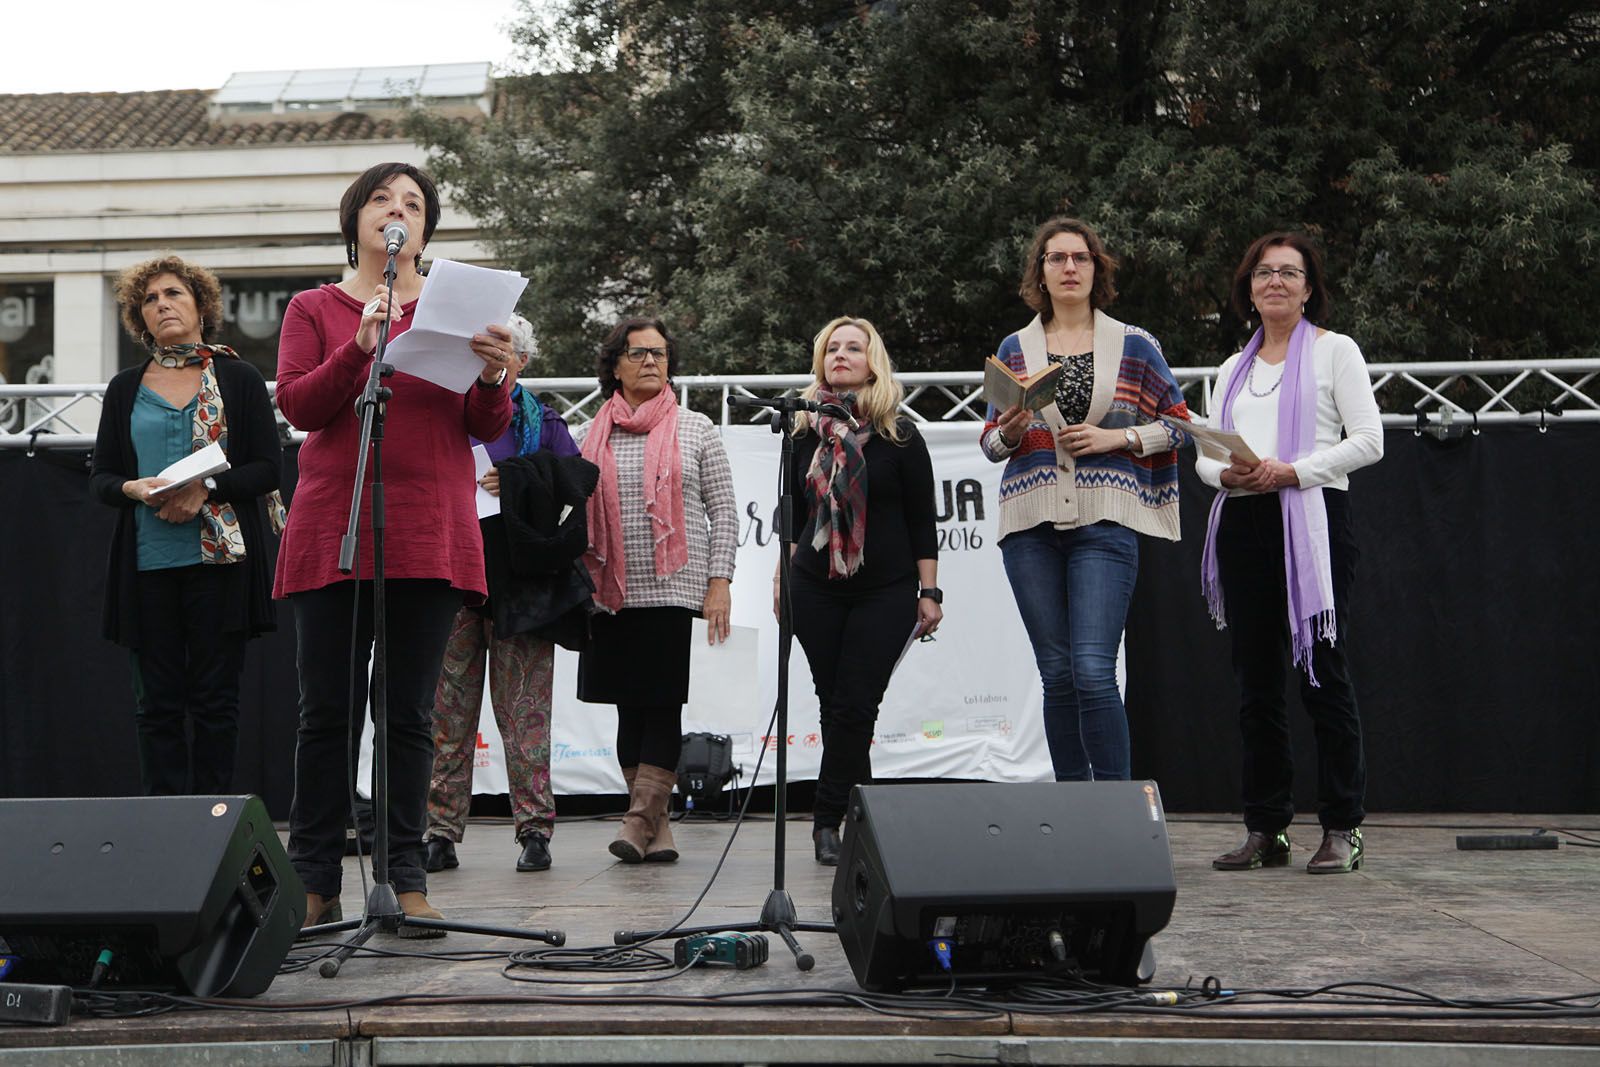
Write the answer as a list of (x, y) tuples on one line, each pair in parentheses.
[(933, 593), (497, 383), (210, 483), (1132, 439)]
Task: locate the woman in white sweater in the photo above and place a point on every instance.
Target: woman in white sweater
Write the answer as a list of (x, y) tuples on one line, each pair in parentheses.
[(1280, 557)]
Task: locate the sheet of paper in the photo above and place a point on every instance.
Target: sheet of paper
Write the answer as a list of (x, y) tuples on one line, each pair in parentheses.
[(458, 300), (1214, 443), (916, 632), (488, 503), (723, 679), (191, 468)]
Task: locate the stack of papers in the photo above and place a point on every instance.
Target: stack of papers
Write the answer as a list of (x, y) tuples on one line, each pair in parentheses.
[(191, 468), (458, 300)]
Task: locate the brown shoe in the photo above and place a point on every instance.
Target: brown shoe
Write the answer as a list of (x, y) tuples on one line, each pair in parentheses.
[(662, 848), (1258, 850), (1340, 853), (639, 821), (321, 909), (416, 906)]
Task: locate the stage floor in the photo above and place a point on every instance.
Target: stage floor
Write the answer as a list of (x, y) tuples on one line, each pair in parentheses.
[(1420, 914)]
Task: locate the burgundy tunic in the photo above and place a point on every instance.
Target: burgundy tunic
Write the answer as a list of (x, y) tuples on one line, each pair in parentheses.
[(432, 521)]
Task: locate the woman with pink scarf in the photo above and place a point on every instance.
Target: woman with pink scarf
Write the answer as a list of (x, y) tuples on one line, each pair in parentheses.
[(1280, 556), (663, 528)]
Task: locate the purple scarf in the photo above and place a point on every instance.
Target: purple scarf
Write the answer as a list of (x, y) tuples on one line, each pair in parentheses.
[(1308, 568)]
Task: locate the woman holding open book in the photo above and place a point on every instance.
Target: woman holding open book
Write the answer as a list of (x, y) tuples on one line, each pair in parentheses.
[(188, 580), (865, 571), (1280, 555), (1085, 473)]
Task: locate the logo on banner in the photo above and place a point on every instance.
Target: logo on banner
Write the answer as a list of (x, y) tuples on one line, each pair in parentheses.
[(998, 725), (893, 737), (963, 501), (563, 751), (813, 740), (933, 730)]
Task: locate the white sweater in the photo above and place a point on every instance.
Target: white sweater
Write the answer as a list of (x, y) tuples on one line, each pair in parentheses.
[(1344, 401)]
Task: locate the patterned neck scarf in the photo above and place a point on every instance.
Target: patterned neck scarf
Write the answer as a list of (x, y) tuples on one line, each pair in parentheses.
[(221, 540), (836, 488), (1308, 566), (187, 355), (527, 420)]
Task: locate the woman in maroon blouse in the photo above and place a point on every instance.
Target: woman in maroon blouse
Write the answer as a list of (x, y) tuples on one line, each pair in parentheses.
[(433, 557)]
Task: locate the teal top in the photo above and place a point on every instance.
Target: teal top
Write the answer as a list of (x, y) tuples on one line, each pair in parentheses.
[(162, 435)]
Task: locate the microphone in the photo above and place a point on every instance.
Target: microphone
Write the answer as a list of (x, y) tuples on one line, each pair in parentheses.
[(394, 237), (798, 403)]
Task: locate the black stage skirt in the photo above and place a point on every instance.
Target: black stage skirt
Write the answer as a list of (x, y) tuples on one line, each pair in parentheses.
[(637, 656)]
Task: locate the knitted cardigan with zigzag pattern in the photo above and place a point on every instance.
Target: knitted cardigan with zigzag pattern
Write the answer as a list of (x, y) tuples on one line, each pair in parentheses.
[(1043, 483)]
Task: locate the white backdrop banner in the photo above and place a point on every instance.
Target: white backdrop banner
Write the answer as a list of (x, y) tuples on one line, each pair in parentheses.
[(965, 705)]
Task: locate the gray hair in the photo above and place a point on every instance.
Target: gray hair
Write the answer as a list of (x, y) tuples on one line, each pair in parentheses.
[(522, 343)]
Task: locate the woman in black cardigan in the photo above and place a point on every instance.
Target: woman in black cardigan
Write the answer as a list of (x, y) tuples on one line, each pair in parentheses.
[(865, 570), (189, 579)]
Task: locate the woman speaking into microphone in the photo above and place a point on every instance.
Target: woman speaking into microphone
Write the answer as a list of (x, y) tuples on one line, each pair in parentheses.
[(433, 547)]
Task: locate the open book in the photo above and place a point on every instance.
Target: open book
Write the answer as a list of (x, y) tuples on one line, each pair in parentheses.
[(1214, 442), (191, 468), (1003, 389)]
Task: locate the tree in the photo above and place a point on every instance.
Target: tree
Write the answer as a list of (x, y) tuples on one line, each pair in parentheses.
[(756, 168)]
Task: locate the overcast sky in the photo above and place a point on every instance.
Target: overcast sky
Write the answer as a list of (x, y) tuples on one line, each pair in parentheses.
[(55, 46)]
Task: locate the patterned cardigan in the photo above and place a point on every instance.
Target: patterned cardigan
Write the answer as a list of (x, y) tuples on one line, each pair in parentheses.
[(710, 513), (1044, 483)]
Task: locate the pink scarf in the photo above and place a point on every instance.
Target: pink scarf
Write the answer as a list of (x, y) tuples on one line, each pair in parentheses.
[(657, 418)]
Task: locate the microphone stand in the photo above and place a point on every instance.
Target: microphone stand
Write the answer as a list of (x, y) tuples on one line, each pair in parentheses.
[(382, 910), (778, 914)]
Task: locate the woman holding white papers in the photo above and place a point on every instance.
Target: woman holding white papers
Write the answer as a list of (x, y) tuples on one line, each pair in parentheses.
[(1280, 555), (433, 549), (188, 580), (663, 529), (865, 571), (1084, 477)]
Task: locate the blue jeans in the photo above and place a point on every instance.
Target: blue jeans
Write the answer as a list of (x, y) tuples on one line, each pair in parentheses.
[(1072, 589)]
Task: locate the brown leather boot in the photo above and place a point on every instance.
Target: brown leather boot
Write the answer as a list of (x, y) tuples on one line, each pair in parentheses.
[(321, 909), (662, 848), (415, 904), (1258, 850), (1340, 853), (638, 822)]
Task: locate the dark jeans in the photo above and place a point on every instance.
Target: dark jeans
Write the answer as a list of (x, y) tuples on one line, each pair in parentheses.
[(419, 614), (186, 682), (1250, 563), (649, 734), (852, 639), (1072, 589)]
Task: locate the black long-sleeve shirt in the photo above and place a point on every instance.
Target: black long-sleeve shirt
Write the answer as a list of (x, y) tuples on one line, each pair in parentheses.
[(900, 510)]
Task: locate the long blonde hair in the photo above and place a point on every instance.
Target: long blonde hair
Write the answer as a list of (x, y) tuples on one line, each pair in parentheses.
[(878, 402)]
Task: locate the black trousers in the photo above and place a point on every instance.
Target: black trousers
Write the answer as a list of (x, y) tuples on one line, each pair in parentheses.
[(186, 682), (649, 734), (852, 638), (1250, 563), (419, 614)]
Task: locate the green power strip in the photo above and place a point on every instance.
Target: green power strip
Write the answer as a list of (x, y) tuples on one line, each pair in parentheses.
[(739, 950)]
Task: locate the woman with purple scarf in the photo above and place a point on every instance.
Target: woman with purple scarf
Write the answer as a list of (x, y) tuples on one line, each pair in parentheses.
[(1279, 555)]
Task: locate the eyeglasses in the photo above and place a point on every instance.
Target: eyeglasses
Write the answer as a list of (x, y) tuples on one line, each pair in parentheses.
[(1289, 275), (1058, 260), (638, 352)]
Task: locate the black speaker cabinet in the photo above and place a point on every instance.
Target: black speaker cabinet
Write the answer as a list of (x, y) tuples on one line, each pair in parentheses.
[(188, 893), (1002, 881)]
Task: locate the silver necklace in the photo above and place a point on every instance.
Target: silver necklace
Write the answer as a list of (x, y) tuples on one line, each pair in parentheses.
[(1250, 378)]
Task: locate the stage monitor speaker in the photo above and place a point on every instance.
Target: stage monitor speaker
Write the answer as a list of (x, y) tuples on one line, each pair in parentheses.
[(193, 894), (1005, 882)]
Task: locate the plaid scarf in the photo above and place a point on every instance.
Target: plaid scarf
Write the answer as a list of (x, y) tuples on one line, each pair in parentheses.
[(221, 540), (836, 489)]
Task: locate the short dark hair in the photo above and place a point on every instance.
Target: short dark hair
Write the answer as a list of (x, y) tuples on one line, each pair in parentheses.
[(1319, 301), (611, 349), (372, 179), (1101, 294), (201, 283)]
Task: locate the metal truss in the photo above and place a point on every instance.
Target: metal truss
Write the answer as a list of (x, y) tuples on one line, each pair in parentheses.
[(1444, 399)]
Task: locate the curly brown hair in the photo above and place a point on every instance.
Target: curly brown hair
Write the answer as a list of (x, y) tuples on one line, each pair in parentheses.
[(1101, 294), (202, 284)]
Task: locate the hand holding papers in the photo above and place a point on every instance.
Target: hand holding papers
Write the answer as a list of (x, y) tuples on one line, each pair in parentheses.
[(458, 300), (1003, 389), (1214, 443), (191, 468)]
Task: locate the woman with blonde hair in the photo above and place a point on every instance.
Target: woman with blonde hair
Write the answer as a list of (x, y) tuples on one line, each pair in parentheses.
[(865, 570)]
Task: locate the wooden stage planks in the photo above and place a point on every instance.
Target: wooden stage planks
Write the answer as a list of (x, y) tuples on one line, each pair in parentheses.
[(1419, 914)]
